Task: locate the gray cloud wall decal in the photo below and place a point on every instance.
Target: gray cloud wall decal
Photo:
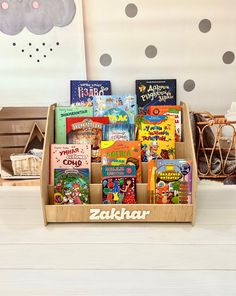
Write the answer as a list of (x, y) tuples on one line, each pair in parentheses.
[(38, 16)]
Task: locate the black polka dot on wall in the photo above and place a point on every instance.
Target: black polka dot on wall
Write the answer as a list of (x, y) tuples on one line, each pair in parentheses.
[(105, 60), (205, 25), (131, 10), (151, 51), (228, 57), (189, 85)]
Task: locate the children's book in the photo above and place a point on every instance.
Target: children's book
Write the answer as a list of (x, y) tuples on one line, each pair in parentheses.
[(66, 156), (119, 184), (83, 91), (118, 132), (62, 113), (71, 186), (119, 109), (121, 153), (170, 181), (86, 130), (155, 92), (169, 111), (157, 136)]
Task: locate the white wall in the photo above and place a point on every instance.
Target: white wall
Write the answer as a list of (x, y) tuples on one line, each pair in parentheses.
[(172, 26), (183, 51)]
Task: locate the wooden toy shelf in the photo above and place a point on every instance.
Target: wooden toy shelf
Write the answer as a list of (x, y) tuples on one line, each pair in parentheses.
[(98, 212)]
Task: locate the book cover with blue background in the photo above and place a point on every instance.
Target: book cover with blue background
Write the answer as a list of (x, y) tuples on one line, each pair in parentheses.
[(83, 91), (119, 109)]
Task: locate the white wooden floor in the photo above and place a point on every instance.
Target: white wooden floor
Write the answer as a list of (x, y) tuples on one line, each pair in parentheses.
[(118, 259)]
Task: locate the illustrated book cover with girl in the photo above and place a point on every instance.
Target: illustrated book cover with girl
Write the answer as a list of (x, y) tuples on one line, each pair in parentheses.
[(119, 109), (118, 132), (64, 112), (169, 111), (170, 181), (71, 186), (119, 184), (121, 153), (86, 130), (157, 136), (69, 156), (155, 92), (83, 91)]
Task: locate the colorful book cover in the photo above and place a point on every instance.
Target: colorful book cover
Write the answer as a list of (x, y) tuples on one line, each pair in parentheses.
[(86, 130), (157, 136), (119, 109), (121, 153), (118, 132), (66, 156), (155, 92), (62, 113), (83, 91), (119, 184), (170, 181), (71, 186), (169, 111)]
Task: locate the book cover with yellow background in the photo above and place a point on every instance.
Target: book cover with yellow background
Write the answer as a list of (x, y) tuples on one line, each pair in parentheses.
[(157, 136)]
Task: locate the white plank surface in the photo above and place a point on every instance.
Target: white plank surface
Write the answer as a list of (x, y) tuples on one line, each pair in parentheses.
[(117, 259), (117, 283), (152, 234), (118, 256)]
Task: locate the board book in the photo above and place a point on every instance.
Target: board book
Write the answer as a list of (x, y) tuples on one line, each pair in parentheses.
[(118, 132), (119, 109), (71, 186), (170, 181), (69, 156), (169, 111), (155, 92), (119, 184), (83, 91), (157, 136), (120, 153), (86, 130), (64, 112)]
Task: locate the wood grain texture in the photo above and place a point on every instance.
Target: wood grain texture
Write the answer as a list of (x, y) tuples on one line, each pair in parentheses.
[(120, 282), (23, 113), (158, 213), (127, 256), (45, 169), (139, 233), (23, 183), (20, 126)]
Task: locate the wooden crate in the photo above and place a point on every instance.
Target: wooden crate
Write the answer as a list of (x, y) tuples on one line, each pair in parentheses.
[(16, 124), (98, 212)]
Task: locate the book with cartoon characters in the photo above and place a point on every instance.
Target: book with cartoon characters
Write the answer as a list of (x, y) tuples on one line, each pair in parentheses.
[(65, 112), (71, 186), (119, 184), (155, 92), (86, 130), (118, 132), (170, 181), (83, 91), (66, 156), (121, 153), (169, 111), (157, 136), (119, 109)]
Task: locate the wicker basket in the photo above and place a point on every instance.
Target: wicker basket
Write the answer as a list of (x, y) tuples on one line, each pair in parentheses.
[(26, 164), (215, 152)]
